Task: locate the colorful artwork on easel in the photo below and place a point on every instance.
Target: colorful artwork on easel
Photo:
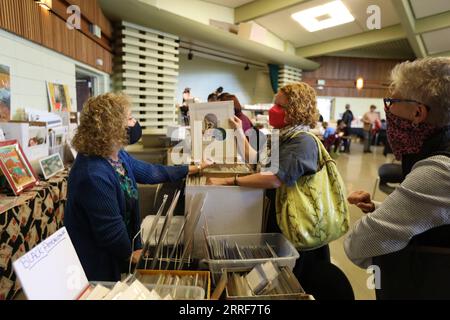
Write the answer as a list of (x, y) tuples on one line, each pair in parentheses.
[(5, 94), (15, 167)]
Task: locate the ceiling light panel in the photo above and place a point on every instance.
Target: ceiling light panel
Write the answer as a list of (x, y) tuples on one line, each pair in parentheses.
[(323, 17)]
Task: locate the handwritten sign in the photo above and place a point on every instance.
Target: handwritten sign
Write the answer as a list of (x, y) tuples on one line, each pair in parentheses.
[(51, 270)]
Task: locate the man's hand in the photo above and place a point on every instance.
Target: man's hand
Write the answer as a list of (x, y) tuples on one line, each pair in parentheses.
[(362, 200)]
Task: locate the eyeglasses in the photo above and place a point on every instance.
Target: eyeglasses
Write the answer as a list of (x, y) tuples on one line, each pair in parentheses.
[(388, 102)]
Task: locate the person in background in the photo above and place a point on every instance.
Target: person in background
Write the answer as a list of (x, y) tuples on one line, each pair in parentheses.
[(369, 120), (407, 236), (320, 118), (215, 95), (329, 136), (102, 211), (246, 123), (295, 110), (347, 118), (340, 133), (212, 97), (382, 138), (329, 131)]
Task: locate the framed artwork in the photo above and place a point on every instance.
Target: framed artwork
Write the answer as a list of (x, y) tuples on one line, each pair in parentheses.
[(212, 115), (211, 120), (15, 167), (5, 93), (59, 97), (51, 165), (37, 136)]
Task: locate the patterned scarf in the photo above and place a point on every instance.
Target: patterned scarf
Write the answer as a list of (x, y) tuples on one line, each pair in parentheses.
[(284, 135), (405, 137), (287, 132)]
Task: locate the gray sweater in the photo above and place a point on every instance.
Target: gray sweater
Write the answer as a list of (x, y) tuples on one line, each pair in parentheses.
[(420, 203)]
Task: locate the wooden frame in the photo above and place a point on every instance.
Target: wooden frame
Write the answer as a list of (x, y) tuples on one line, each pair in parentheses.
[(15, 167)]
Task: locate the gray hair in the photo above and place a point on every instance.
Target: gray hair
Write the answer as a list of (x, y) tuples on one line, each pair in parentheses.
[(427, 81)]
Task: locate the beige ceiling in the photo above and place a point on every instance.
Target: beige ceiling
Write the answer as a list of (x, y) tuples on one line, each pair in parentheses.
[(286, 28), (437, 41), (426, 8), (409, 28), (230, 3), (398, 49)]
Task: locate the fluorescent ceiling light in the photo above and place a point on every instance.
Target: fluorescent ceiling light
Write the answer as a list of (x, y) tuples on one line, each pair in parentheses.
[(325, 16)]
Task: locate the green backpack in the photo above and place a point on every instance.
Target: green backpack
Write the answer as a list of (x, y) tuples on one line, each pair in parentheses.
[(314, 211)]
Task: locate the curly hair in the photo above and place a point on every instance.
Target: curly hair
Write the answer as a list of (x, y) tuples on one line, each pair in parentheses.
[(302, 104), (427, 81), (103, 125)]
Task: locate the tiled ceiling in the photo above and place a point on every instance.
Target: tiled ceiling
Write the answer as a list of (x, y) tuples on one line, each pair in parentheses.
[(426, 8), (399, 49), (230, 3), (434, 41), (282, 25)]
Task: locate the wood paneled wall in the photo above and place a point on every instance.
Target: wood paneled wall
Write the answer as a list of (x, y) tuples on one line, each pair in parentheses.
[(48, 28), (340, 74)]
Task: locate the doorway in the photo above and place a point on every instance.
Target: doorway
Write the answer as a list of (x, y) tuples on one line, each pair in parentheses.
[(89, 84)]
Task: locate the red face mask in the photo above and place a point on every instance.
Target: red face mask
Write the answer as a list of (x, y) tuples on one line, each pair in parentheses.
[(277, 116)]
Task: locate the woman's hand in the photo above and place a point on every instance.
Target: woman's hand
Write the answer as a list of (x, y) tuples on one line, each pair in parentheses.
[(205, 164), (362, 200), (135, 256), (236, 123), (218, 181)]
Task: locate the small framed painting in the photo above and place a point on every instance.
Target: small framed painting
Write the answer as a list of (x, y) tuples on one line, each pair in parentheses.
[(15, 167), (59, 97), (51, 165)]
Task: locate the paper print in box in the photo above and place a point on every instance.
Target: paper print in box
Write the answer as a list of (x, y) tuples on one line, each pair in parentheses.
[(15, 167), (211, 121)]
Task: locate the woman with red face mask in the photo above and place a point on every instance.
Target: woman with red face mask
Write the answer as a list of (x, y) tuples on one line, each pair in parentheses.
[(294, 112), (408, 235)]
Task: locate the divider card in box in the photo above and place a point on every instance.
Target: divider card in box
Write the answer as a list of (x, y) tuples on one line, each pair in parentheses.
[(210, 125), (52, 270)]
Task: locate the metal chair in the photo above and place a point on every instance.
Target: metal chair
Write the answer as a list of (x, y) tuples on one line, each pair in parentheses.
[(388, 173)]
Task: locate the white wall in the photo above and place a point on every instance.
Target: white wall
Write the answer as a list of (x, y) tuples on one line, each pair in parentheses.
[(204, 76), (359, 106), (31, 66)]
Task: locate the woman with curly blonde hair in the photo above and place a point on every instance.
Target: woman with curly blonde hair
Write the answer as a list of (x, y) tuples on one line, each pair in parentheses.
[(102, 211), (294, 112)]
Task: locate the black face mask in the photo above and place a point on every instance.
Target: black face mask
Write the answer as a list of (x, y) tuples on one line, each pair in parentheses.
[(134, 133)]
